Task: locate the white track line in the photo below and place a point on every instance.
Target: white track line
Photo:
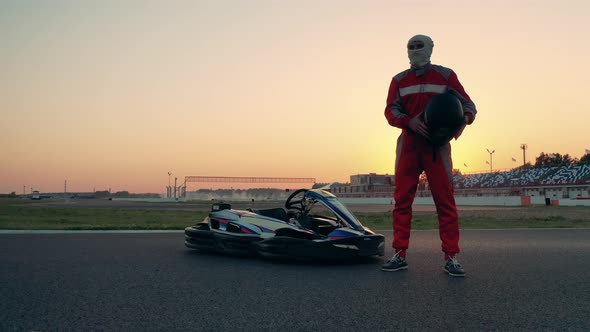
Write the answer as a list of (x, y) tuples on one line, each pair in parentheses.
[(61, 231)]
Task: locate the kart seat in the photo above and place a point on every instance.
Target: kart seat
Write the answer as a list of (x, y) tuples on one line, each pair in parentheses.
[(317, 224), (277, 213)]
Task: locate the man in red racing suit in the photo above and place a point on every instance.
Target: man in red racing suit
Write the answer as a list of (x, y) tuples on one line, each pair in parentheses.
[(408, 95)]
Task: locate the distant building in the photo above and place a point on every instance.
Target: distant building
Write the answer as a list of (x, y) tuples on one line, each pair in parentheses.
[(365, 185)]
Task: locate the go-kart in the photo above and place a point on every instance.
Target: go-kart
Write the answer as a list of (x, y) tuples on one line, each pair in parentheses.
[(314, 224)]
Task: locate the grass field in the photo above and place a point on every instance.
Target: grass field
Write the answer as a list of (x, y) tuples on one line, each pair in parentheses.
[(18, 214)]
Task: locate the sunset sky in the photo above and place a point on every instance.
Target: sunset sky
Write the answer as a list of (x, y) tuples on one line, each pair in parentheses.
[(117, 93)]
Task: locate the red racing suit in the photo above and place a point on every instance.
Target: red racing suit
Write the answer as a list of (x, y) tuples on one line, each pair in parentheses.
[(408, 95)]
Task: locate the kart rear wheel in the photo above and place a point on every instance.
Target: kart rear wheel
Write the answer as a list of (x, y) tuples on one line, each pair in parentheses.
[(199, 237)]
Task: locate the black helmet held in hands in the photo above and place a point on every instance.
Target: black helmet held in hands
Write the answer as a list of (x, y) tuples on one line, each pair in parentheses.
[(443, 116)]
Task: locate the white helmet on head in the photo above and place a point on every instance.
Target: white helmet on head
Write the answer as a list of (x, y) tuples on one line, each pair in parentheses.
[(420, 50)]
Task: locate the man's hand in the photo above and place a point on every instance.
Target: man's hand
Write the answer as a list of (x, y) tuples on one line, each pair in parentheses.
[(417, 126), (465, 120)]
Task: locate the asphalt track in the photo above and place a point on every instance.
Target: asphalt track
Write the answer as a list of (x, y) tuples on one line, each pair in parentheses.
[(533, 280)]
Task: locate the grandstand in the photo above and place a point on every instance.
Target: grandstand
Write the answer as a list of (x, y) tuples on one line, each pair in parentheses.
[(570, 181), (570, 175)]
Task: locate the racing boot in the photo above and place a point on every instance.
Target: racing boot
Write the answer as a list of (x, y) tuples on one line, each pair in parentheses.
[(453, 268), (396, 263)]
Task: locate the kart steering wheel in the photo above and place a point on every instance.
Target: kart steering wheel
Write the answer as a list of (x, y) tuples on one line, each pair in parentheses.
[(295, 204)]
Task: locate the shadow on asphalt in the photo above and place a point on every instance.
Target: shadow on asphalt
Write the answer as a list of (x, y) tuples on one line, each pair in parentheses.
[(284, 260)]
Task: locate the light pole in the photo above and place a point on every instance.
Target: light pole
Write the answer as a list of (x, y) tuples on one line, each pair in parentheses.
[(175, 179), (491, 153), (169, 189), (523, 147)]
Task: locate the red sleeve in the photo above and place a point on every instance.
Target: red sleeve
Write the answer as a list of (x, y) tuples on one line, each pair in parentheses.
[(393, 110), (468, 105)]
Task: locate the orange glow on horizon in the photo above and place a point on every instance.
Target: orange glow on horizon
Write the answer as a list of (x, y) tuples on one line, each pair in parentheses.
[(117, 95)]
